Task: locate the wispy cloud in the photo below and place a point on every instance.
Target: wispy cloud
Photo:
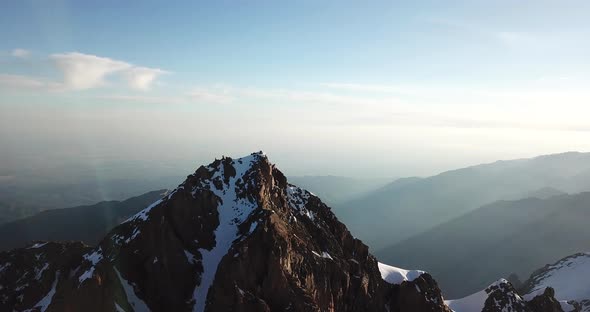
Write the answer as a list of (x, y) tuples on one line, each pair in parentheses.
[(504, 36), (144, 99), (361, 87), (28, 83), (85, 71), (210, 95), (547, 104), (81, 71), (514, 37), (20, 53), (317, 97), (142, 78)]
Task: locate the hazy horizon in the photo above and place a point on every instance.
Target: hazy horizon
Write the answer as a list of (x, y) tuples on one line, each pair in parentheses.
[(381, 89)]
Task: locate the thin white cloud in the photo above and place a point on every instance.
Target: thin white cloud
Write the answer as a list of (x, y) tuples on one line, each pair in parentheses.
[(514, 38), (552, 104), (143, 99), (360, 87), (315, 97), (142, 78), (19, 82), (210, 96), (85, 71), (21, 53), (507, 37)]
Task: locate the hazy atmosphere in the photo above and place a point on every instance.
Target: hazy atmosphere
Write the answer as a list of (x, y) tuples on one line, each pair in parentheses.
[(302, 156), (394, 89)]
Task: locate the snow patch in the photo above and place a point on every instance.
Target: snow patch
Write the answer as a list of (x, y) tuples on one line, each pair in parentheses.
[(137, 304), (324, 255), (394, 275), (297, 198), (566, 307), (118, 308), (253, 226), (474, 302), (189, 257), (39, 272), (143, 215), (471, 303), (4, 266), (44, 303), (136, 232), (37, 245), (232, 210), (560, 275), (93, 258)]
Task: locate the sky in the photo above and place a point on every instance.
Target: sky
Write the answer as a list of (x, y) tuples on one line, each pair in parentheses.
[(352, 88)]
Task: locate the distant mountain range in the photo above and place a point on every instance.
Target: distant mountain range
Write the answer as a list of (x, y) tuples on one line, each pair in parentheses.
[(408, 207), (336, 190), (234, 236), (83, 223), (498, 239), (26, 195)]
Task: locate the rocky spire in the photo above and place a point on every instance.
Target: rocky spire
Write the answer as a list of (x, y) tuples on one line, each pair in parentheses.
[(234, 236)]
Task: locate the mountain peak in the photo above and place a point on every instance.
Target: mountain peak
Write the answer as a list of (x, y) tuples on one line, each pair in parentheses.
[(234, 236), (501, 296), (561, 277)]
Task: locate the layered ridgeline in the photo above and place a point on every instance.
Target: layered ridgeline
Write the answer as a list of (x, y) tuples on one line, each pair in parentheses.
[(234, 236), (496, 240), (88, 224), (410, 206), (335, 190)]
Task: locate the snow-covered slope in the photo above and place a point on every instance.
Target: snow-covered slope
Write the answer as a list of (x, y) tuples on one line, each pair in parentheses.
[(416, 289), (471, 303), (477, 301), (233, 211), (569, 277), (394, 275), (234, 236), (501, 296)]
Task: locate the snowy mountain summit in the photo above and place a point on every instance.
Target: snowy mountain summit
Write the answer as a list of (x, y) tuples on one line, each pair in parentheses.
[(501, 296), (234, 236), (569, 279)]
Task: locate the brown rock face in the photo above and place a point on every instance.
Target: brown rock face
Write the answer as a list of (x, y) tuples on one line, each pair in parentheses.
[(546, 302), (421, 294), (234, 236), (27, 275), (503, 297)]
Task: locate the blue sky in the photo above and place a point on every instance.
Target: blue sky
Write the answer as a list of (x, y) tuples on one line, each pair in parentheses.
[(471, 80), (256, 41)]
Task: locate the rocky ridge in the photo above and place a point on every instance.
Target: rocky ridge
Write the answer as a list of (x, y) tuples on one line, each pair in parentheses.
[(234, 236)]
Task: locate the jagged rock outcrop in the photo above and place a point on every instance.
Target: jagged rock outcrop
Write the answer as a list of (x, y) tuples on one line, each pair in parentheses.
[(420, 294), (30, 276), (502, 296), (567, 281), (547, 302)]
